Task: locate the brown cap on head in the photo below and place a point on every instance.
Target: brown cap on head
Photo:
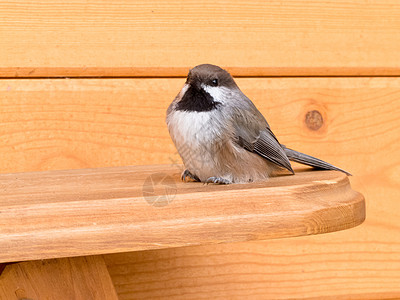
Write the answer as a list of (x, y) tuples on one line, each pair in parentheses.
[(210, 75)]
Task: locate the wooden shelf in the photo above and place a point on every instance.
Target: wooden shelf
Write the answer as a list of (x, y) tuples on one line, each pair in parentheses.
[(108, 210)]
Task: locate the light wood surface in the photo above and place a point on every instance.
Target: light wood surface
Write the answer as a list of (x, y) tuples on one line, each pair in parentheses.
[(61, 279), (88, 123), (110, 210), (158, 38), (360, 263)]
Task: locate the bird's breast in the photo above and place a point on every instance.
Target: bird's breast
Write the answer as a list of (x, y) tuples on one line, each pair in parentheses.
[(194, 128)]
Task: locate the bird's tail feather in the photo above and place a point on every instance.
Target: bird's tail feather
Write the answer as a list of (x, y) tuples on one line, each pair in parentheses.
[(310, 160)]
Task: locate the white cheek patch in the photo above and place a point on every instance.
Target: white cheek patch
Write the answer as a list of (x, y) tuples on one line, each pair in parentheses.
[(219, 93)]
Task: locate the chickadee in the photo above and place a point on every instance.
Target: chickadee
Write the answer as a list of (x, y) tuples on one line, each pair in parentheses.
[(222, 137)]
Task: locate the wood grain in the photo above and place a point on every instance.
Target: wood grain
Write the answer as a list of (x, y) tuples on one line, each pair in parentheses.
[(109, 210), (87, 123), (158, 38), (360, 263), (61, 279)]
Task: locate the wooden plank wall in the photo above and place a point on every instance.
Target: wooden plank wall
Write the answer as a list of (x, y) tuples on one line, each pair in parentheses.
[(339, 58), (155, 37)]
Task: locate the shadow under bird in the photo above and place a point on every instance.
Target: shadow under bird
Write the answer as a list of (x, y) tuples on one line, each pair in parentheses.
[(222, 137)]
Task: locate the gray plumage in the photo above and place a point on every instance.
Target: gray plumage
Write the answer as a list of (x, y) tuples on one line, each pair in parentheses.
[(222, 137)]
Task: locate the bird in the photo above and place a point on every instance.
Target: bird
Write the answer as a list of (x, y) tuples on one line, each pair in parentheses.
[(222, 137)]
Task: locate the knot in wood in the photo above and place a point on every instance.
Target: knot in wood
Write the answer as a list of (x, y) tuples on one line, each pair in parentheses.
[(314, 120)]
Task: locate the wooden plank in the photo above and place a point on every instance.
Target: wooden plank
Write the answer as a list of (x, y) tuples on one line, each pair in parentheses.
[(158, 38), (172, 72), (109, 210), (88, 123), (62, 279), (65, 124)]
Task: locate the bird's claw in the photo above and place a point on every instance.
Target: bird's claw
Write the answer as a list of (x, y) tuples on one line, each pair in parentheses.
[(218, 180), (187, 173)]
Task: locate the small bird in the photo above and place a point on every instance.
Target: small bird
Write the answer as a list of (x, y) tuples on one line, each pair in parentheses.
[(222, 137)]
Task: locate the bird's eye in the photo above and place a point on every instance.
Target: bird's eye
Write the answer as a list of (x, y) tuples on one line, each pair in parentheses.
[(214, 82)]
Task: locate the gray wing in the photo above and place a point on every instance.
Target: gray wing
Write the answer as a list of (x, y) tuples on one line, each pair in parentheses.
[(252, 132), (268, 147)]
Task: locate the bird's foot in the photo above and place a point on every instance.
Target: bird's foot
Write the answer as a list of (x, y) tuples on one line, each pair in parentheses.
[(218, 180), (187, 173)]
